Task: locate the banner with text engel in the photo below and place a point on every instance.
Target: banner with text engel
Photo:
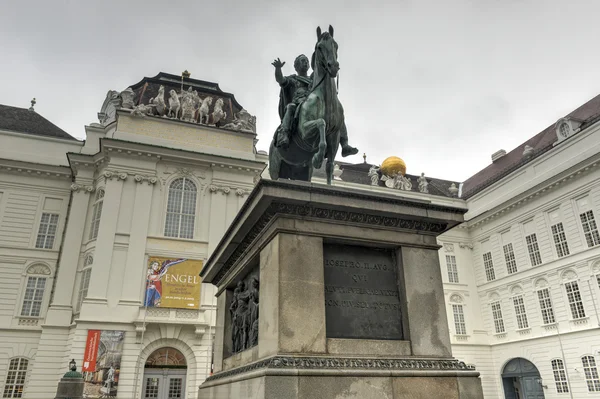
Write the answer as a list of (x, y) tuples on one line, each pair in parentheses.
[(173, 283)]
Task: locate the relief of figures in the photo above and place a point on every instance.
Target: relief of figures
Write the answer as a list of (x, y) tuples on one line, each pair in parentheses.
[(188, 106), (244, 315)]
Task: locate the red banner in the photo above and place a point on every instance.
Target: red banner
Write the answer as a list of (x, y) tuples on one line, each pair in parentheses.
[(91, 351)]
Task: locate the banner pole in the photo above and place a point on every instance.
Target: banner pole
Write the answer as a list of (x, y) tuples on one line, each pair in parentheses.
[(137, 362)]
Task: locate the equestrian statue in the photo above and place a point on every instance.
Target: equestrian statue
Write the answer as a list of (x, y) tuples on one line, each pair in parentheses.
[(312, 118)]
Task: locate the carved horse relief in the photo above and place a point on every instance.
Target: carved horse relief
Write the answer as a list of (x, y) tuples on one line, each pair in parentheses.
[(203, 111), (174, 104), (218, 112), (159, 102)]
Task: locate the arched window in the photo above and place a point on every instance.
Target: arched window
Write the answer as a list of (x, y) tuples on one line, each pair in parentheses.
[(96, 214), (591, 373), (181, 209), (37, 276), (165, 357), (560, 376), (84, 284), (15, 378)]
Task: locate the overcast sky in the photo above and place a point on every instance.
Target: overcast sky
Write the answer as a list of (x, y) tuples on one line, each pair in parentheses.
[(441, 84)]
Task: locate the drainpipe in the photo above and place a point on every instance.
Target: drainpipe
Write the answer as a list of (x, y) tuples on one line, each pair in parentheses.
[(594, 302), (562, 351)]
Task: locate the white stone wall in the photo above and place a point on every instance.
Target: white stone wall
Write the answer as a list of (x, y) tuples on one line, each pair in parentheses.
[(527, 201)]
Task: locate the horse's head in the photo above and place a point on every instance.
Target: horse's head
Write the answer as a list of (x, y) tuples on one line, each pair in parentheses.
[(325, 55)]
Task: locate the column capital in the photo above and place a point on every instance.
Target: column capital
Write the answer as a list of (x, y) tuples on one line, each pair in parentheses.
[(86, 189)]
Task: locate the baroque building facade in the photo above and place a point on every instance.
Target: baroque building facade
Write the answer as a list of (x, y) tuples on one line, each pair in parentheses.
[(522, 274), (93, 233)]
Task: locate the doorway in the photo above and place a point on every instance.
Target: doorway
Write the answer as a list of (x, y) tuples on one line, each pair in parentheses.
[(521, 380), (164, 375)]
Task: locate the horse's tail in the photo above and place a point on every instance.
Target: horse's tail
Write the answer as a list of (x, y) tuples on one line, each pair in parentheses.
[(274, 161)]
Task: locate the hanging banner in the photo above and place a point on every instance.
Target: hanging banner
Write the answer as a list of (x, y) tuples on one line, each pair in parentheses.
[(102, 363), (91, 351), (173, 283)]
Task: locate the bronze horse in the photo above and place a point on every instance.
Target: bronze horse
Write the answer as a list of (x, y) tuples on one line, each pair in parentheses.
[(320, 120)]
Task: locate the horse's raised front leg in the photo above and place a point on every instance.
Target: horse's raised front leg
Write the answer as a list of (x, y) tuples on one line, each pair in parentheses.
[(318, 124)]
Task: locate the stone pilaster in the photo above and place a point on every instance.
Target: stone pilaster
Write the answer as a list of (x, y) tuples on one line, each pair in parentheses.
[(106, 238), (134, 266), (60, 310), (427, 320)]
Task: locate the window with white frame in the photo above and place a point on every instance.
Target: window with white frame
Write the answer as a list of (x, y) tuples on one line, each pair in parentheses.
[(47, 231), (588, 221), (520, 312), (591, 373), (560, 240), (590, 229), (488, 265), (598, 280), (509, 256), (452, 269), (181, 209), (575, 301), (34, 295), (459, 320), (15, 378), (546, 306), (560, 376), (84, 284), (497, 316), (533, 249), (96, 214)]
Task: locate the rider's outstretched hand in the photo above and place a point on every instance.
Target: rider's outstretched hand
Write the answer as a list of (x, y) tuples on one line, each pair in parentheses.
[(277, 63)]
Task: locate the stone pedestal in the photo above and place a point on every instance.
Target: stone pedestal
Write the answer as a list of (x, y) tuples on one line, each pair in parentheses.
[(70, 386), (326, 292)]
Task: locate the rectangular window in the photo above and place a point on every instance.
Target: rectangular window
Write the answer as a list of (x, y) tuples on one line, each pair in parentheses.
[(488, 264), (509, 256), (84, 284), (47, 231), (590, 229), (560, 240), (459, 320), (560, 377), (520, 312), (591, 373), (15, 378), (533, 249), (575, 302), (452, 269), (497, 315), (34, 294), (546, 306), (96, 214)]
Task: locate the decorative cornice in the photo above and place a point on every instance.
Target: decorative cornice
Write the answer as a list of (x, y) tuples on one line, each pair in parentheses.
[(150, 180), (465, 245), (340, 363), (39, 170), (86, 189), (522, 201), (279, 208)]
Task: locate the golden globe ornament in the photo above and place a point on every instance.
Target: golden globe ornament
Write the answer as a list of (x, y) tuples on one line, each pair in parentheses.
[(392, 166)]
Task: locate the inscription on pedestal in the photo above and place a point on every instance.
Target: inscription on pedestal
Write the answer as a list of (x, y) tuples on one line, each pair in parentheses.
[(361, 293)]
